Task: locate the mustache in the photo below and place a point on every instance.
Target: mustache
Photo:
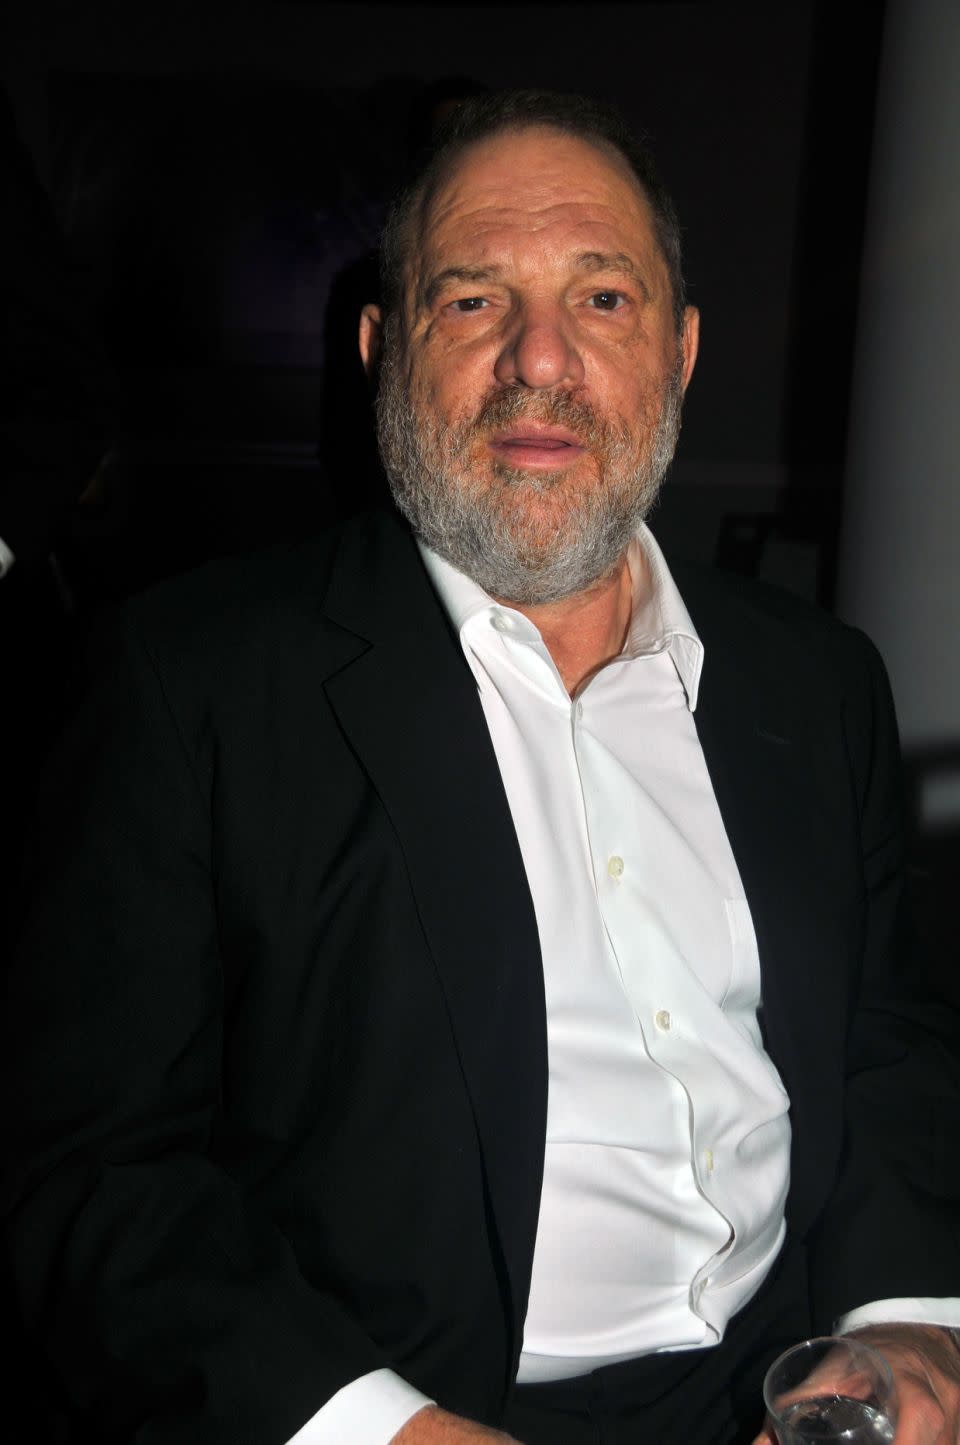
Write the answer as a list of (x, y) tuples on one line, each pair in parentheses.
[(501, 406)]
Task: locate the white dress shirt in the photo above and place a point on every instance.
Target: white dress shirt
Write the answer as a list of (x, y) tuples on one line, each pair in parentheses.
[(667, 1149), (668, 1143)]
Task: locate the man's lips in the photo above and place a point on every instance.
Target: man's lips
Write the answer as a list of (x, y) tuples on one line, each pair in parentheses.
[(536, 446)]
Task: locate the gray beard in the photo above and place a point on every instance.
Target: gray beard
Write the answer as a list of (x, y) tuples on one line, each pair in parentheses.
[(521, 536)]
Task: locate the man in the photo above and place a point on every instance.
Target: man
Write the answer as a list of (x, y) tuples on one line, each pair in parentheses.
[(389, 1064)]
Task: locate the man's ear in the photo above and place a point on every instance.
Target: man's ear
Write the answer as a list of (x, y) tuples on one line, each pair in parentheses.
[(371, 338), (690, 342)]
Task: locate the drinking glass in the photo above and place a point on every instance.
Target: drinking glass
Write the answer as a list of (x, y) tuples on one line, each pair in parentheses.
[(835, 1390)]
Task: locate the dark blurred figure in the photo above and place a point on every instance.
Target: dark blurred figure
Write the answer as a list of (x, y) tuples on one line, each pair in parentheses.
[(57, 404), (348, 447), (58, 396), (57, 400), (435, 104)]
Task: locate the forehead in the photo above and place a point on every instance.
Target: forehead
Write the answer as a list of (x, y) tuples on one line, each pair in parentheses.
[(529, 188)]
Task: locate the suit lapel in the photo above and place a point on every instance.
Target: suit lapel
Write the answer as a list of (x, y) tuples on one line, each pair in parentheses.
[(758, 752), (409, 708), (408, 705)]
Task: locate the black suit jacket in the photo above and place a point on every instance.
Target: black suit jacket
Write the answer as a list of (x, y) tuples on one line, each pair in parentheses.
[(276, 1038)]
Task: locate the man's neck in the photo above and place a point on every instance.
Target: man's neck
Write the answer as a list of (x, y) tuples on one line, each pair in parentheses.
[(587, 630)]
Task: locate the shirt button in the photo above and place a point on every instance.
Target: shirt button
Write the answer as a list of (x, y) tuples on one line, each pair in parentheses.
[(708, 1160), (615, 867), (662, 1020)]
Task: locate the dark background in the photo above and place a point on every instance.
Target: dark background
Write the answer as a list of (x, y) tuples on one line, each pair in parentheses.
[(216, 168), (216, 175)]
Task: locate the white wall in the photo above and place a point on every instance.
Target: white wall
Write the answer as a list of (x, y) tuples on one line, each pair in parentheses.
[(899, 574)]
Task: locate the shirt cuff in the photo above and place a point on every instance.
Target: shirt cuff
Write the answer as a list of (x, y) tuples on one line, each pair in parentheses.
[(6, 558), (368, 1411), (908, 1311)]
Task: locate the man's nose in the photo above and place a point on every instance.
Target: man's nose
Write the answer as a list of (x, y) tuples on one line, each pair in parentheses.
[(539, 352)]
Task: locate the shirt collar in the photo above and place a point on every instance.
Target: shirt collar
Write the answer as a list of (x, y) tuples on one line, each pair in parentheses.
[(660, 621)]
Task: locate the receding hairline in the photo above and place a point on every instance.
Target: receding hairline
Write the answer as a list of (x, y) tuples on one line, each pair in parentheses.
[(452, 158), (447, 165), (433, 184)]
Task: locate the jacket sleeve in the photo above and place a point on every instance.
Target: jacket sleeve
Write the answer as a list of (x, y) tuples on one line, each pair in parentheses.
[(891, 1227), (170, 1308)]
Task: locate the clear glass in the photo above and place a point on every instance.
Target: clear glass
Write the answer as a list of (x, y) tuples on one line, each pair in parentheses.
[(837, 1391)]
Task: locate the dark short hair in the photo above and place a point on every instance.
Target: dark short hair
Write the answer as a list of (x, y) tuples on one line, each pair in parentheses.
[(479, 117)]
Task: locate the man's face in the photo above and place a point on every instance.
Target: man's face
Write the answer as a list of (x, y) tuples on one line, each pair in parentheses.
[(530, 387)]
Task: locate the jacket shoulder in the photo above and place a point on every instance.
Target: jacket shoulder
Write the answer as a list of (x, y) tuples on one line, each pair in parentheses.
[(266, 606), (745, 613), (235, 594)]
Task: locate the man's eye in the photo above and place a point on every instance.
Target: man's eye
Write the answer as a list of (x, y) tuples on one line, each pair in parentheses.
[(607, 300), (469, 303)]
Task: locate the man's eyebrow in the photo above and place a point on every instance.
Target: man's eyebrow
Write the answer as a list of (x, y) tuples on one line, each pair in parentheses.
[(469, 274), (591, 261), (587, 261)]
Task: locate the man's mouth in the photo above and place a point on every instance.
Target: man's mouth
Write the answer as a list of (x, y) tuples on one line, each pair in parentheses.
[(537, 446)]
